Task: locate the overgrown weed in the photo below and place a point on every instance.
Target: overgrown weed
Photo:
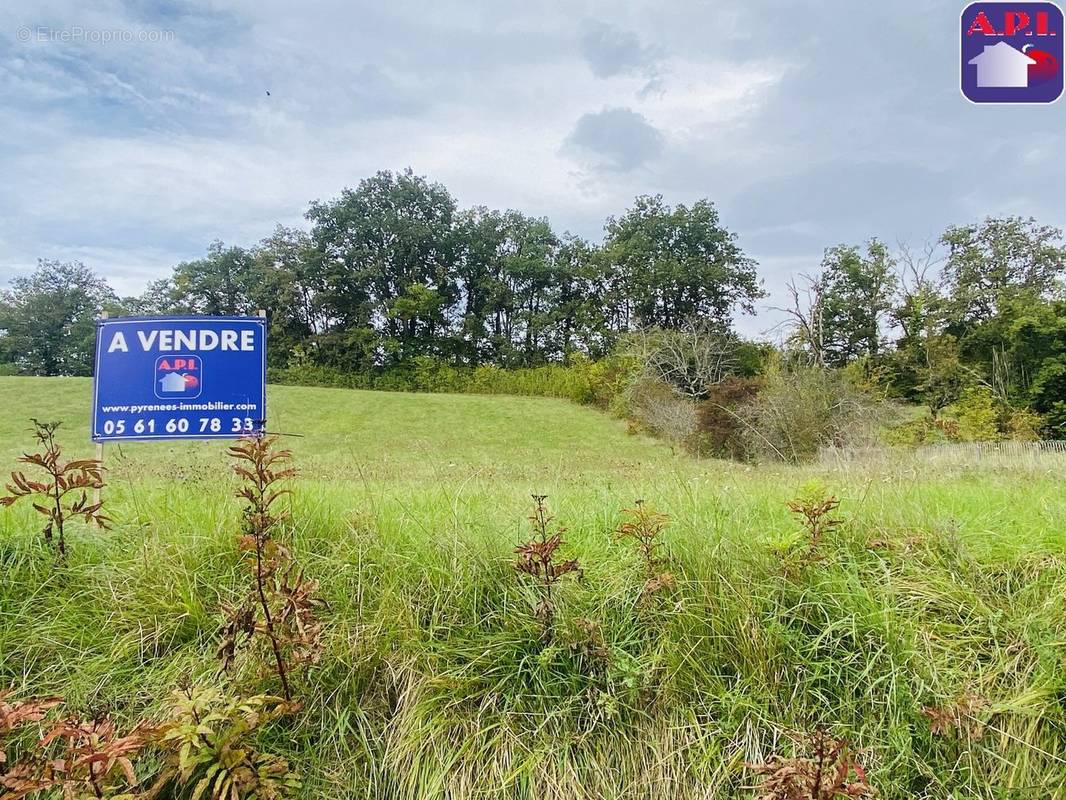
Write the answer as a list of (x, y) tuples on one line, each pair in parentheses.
[(827, 768), (63, 478), (282, 604), (537, 560), (645, 528)]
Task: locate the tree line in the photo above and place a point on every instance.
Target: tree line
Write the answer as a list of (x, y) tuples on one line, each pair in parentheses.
[(982, 306), (393, 272)]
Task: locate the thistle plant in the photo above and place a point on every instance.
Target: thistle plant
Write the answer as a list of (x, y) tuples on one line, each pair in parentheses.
[(64, 491)]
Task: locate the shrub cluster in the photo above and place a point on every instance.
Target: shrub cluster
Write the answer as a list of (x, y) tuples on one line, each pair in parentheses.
[(977, 416), (580, 379)]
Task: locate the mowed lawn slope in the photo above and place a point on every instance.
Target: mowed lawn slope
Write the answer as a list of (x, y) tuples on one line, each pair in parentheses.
[(941, 583)]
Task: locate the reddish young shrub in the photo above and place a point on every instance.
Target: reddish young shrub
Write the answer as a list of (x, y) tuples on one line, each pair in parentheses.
[(282, 604), (645, 528), (829, 770), (73, 478), (536, 560), (718, 427)]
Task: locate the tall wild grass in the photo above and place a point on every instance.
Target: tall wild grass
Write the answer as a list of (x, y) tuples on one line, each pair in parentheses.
[(926, 626)]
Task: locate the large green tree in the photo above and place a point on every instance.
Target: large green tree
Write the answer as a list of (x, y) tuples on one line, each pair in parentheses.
[(857, 294), (47, 318), (985, 313), (287, 283), (527, 294), (579, 321), (672, 265), (530, 280), (481, 235), (1026, 342), (387, 251), (990, 261), (222, 283)]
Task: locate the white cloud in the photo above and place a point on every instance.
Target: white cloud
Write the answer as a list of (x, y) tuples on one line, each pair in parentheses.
[(133, 156)]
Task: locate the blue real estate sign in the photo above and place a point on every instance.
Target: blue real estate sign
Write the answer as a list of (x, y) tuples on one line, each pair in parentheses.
[(179, 378)]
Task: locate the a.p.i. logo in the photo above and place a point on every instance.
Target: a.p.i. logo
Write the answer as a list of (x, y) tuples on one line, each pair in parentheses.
[(1012, 52), (178, 377)]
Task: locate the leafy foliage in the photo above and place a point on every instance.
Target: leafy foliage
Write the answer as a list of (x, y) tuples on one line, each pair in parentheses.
[(990, 261), (960, 717), (209, 752), (720, 426), (80, 757), (21, 777), (14, 713), (834, 317), (393, 271), (47, 319), (800, 410), (815, 512), (95, 760), (977, 416), (395, 287), (828, 771), (282, 603), (676, 264), (536, 559), (64, 478), (858, 295), (645, 527)]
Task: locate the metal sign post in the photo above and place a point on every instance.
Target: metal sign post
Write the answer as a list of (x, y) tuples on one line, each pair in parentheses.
[(99, 451)]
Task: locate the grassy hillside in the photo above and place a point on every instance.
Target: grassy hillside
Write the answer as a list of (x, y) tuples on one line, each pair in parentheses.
[(942, 583)]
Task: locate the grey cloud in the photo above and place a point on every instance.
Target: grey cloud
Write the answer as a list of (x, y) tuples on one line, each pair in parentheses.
[(616, 139), (610, 50), (863, 131), (845, 202)]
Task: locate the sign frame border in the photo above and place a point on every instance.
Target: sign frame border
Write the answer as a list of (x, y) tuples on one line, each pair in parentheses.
[(101, 323)]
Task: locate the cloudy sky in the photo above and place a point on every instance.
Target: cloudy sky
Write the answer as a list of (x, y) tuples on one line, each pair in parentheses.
[(134, 133)]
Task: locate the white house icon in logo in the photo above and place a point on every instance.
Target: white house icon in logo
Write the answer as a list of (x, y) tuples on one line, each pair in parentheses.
[(173, 382), (1000, 66)]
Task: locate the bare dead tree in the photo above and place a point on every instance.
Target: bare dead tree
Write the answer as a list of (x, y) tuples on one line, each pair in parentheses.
[(806, 315), (915, 267), (690, 358)]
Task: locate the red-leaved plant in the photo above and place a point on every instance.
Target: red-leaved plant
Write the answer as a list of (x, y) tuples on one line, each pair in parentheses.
[(23, 776), (815, 512), (78, 757), (829, 770), (536, 559), (645, 528), (282, 604), (64, 479)]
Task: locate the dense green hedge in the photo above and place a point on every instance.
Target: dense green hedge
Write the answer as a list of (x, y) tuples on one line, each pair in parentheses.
[(580, 380)]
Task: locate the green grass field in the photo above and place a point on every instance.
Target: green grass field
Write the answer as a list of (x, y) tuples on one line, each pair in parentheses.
[(943, 582)]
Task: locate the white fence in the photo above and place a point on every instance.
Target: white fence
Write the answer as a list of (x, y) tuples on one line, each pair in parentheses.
[(950, 453)]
